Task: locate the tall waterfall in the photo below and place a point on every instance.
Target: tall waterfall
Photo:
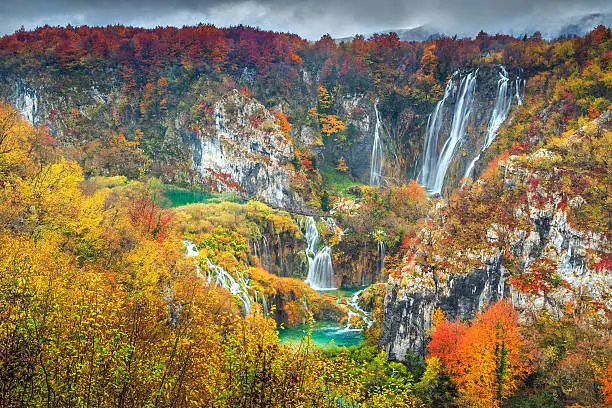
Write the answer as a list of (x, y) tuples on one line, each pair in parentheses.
[(434, 124), (380, 261), (461, 117), (517, 84), (320, 268), (503, 102), (377, 152)]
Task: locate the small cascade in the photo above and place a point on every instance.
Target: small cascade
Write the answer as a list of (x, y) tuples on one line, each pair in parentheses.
[(265, 253), (191, 250), (377, 152), (264, 304), (320, 268), (238, 287), (464, 107), (501, 109), (355, 310)]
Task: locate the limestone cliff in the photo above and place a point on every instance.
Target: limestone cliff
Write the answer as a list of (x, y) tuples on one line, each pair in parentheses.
[(574, 253)]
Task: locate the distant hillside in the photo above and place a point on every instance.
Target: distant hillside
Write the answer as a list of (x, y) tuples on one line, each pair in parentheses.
[(550, 29)]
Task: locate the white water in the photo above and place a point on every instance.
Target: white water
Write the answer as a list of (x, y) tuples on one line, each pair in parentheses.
[(238, 287), (377, 152), (434, 124), (464, 107), (501, 109), (365, 316), (312, 236), (355, 310), (517, 84), (191, 249), (320, 268), (380, 261), (320, 271)]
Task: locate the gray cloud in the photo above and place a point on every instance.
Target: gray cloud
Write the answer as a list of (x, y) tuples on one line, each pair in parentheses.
[(309, 18)]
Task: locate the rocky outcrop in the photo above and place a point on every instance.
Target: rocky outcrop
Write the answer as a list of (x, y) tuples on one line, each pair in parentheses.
[(246, 151), (281, 254), (407, 315), (408, 308), (546, 236)]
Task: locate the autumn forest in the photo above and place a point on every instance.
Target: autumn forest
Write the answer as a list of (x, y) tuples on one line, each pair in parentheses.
[(234, 217)]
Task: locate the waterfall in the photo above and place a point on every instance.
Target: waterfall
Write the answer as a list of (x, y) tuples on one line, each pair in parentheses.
[(191, 250), (380, 264), (434, 124), (265, 252), (461, 117), (264, 303), (501, 109), (312, 236), (320, 269), (517, 84), (238, 287), (377, 152), (355, 310)]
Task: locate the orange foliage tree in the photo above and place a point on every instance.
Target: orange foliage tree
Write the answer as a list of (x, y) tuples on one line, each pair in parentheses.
[(486, 360)]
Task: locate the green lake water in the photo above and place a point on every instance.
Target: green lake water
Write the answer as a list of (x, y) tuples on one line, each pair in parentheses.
[(177, 197), (326, 333)]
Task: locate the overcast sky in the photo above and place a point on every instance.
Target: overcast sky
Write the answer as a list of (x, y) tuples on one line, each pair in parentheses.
[(308, 18)]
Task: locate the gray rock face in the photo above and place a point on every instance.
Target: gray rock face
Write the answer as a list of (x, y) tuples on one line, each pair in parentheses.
[(407, 316), (412, 297), (247, 152), (407, 313)]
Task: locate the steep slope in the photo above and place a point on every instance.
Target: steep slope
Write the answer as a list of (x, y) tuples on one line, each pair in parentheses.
[(150, 95), (535, 230)]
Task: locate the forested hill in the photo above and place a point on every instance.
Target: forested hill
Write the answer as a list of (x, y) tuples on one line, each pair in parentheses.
[(154, 99), (441, 206)]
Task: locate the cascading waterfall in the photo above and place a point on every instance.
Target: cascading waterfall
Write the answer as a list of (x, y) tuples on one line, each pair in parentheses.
[(265, 252), (320, 268), (377, 152), (191, 250), (434, 125), (355, 310), (238, 287), (501, 109), (312, 236), (464, 107)]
